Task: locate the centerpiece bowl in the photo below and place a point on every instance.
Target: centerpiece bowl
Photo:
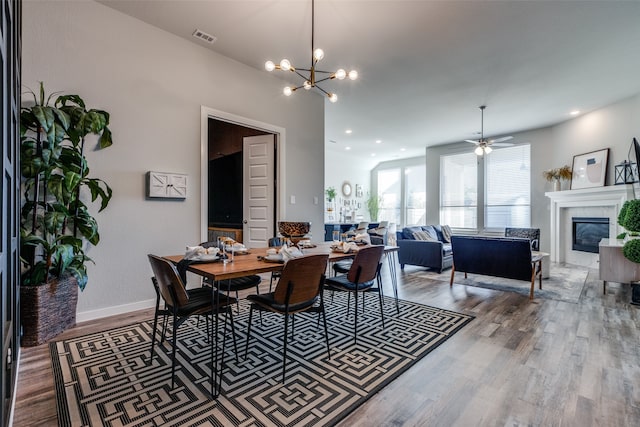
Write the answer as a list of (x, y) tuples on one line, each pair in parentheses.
[(294, 230)]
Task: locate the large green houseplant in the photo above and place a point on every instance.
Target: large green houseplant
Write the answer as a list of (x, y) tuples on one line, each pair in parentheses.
[(55, 221)]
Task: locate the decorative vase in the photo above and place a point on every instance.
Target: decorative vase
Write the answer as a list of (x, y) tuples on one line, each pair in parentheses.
[(557, 185), (47, 310)]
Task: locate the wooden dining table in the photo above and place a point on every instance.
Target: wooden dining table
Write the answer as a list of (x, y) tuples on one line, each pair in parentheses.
[(254, 262)]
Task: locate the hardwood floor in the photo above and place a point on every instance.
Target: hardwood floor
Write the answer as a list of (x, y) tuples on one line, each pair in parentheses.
[(544, 362)]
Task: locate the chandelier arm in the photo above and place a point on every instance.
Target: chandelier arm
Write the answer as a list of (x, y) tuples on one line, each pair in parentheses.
[(322, 80), (323, 91)]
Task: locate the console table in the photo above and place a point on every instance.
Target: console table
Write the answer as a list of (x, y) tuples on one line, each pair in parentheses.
[(614, 267)]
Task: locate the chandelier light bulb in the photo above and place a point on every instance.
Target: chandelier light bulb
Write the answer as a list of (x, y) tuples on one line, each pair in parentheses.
[(479, 151), (341, 74), (285, 65), (307, 85), (353, 74), (318, 54), (333, 97), (269, 66), (488, 149), (287, 91)]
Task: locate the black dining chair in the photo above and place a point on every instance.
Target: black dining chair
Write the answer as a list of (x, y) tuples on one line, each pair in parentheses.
[(361, 277), (180, 305), (298, 290)]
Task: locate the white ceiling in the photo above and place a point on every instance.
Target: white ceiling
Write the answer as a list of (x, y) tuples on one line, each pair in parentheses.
[(425, 66)]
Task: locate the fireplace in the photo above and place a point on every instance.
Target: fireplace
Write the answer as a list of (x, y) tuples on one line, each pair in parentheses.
[(587, 233)]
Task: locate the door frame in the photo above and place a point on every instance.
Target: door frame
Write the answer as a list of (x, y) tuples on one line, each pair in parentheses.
[(280, 133)]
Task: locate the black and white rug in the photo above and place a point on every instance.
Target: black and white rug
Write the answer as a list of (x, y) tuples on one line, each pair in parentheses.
[(105, 379)]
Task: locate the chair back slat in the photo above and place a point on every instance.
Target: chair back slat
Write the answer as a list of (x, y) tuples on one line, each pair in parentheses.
[(169, 283), (365, 264), (304, 275)]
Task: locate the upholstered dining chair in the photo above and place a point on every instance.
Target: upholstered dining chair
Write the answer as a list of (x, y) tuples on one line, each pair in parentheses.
[(361, 277), (180, 305), (298, 290), (233, 285)]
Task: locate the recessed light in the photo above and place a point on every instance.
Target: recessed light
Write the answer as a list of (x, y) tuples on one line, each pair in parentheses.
[(347, 148), (348, 131), (373, 154), (403, 149), (378, 141), (575, 112)]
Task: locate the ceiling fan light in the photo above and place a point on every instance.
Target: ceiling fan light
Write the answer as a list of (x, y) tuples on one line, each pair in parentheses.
[(488, 149), (478, 151), (269, 66)]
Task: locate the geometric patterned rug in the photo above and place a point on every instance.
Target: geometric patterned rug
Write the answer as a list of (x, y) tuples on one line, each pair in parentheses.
[(105, 379)]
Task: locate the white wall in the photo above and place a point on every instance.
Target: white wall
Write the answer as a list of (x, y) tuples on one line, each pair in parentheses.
[(340, 168), (154, 84), (611, 127)]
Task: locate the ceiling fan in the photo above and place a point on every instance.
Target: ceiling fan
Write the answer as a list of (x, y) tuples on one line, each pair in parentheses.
[(484, 145)]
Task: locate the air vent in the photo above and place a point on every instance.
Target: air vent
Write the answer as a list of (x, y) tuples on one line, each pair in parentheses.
[(199, 34)]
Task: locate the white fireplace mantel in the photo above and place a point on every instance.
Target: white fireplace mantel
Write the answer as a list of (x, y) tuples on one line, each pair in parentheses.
[(612, 196)]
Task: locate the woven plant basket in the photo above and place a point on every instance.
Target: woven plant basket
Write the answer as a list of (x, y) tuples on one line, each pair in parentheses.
[(48, 309)]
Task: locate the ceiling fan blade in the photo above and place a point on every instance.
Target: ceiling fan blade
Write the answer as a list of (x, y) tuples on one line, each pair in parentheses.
[(504, 138), (501, 144), (472, 141)]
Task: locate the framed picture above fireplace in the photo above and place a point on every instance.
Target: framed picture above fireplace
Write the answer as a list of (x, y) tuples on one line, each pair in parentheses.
[(590, 169)]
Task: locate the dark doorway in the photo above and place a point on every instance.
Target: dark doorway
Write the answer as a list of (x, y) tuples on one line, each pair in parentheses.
[(225, 178)]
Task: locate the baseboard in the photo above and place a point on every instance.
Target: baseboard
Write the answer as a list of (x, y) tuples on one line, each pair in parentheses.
[(112, 311)]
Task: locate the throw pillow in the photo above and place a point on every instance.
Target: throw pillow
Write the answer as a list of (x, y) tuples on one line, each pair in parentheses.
[(446, 233), (422, 235)]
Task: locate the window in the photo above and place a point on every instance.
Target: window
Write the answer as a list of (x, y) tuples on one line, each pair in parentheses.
[(459, 190), (389, 193), (508, 187), (416, 195), (506, 178)]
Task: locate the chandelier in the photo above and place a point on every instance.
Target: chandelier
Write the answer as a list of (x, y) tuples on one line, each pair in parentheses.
[(311, 76)]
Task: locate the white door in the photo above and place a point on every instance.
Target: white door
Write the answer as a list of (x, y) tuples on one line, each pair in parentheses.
[(258, 207)]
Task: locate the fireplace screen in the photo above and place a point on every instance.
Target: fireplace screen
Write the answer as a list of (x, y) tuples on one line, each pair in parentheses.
[(587, 233)]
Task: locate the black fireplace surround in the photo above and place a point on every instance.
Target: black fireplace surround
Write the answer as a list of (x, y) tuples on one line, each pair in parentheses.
[(587, 233)]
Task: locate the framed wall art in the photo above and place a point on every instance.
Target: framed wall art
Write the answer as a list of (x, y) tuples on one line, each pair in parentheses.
[(589, 169)]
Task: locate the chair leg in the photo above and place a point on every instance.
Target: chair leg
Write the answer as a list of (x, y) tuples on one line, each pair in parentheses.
[(233, 334), (174, 344), (284, 351), (381, 307), (153, 336), (326, 331), (246, 347), (355, 321)]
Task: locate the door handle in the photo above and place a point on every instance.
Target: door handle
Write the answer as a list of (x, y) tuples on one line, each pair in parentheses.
[(245, 221)]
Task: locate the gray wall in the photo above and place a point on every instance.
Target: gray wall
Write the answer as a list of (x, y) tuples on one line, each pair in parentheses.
[(154, 84)]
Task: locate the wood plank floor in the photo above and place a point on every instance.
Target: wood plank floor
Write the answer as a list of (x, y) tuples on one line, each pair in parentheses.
[(541, 363)]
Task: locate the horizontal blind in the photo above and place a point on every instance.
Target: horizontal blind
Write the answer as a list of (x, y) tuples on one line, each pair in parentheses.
[(459, 190)]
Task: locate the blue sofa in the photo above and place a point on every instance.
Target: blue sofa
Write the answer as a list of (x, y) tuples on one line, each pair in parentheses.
[(494, 256), (435, 254)]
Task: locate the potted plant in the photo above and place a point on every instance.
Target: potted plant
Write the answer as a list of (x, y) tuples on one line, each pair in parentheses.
[(373, 206), (555, 175), (629, 218), (331, 195), (55, 222)]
